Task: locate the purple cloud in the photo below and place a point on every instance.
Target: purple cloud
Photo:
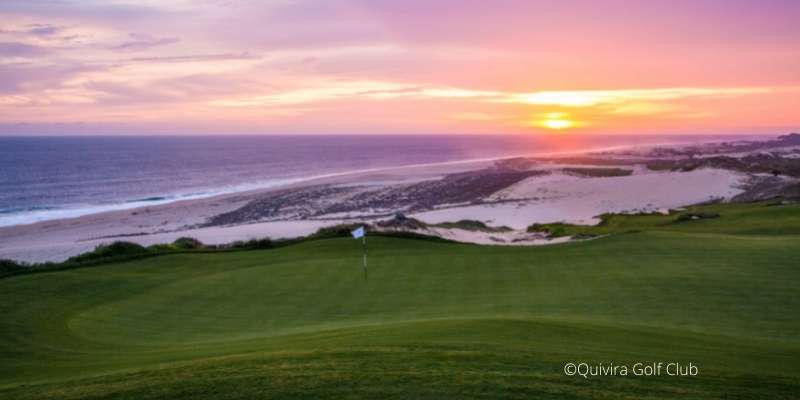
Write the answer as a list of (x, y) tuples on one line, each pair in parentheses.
[(87, 10), (199, 57), (21, 77), (35, 30), (16, 49), (44, 29), (141, 42)]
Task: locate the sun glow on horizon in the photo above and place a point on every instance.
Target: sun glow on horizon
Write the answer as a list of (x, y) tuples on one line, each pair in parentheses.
[(558, 124), (556, 121)]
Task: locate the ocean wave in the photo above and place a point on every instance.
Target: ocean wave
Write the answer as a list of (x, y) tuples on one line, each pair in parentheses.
[(146, 199), (29, 215), (22, 215), (14, 210)]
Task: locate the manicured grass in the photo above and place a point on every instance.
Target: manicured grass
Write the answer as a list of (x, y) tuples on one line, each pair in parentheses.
[(433, 320), (767, 218)]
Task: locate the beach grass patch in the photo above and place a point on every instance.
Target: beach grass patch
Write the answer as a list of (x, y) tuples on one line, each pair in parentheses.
[(598, 172), (472, 225), (114, 250)]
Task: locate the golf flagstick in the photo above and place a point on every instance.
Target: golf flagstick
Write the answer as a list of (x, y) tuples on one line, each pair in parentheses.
[(364, 251), (361, 233)]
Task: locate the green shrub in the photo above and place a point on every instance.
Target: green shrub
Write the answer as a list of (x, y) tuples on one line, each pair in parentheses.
[(342, 230), (553, 230), (187, 243), (598, 172), (161, 248), (253, 244), (117, 250), (11, 266), (413, 235), (472, 225)]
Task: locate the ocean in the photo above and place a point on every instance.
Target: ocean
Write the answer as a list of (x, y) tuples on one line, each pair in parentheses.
[(44, 178)]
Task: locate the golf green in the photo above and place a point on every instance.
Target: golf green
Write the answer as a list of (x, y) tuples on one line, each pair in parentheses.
[(432, 320)]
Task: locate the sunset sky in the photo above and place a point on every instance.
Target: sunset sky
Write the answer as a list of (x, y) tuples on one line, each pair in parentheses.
[(460, 66)]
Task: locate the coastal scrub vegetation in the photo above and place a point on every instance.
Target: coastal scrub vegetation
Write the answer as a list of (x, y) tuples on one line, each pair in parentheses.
[(8, 267), (187, 243), (471, 225), (119, 251), (718, 217), (761, 163), (598, 172)]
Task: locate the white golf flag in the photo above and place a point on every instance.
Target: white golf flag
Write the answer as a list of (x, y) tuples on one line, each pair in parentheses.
[(358, 233)]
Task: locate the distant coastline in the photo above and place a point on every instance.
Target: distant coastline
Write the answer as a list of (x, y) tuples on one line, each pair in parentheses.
[(573, 186), (63, 197)]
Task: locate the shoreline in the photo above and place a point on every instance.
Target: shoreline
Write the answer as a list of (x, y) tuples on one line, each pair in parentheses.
[(281, 183), (515, 191)]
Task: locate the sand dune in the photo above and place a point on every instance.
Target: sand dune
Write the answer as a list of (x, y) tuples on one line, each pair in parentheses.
[(564, 198)]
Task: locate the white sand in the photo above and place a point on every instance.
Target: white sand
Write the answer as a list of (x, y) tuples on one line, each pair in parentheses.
[(57, 247), (565, 198), (510, 238)]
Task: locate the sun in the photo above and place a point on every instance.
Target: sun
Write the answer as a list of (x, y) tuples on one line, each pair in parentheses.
[(558, 123)]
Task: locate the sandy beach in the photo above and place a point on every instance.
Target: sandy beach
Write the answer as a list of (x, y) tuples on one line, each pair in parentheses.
[(513, 193)]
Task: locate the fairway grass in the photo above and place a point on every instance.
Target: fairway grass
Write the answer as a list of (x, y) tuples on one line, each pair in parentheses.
[(433, 320)]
